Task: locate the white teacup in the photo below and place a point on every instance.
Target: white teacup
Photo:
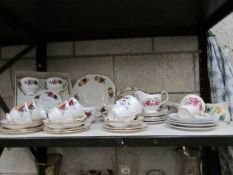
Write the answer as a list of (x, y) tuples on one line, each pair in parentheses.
[(91, 113), (192, 106), (125, 109), (30, 85), (19, 114), (56, 84), (36, 112), (151, 103), (75, 107)]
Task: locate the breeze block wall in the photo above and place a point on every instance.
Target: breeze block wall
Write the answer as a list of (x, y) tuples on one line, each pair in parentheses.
[(152, 64)]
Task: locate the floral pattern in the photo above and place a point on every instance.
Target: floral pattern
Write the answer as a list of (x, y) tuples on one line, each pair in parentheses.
[(31, 82), (217, 111), (82, 82), (194, 102), (55, 81), (110, 92), (102, 110), (88, 114), (151, 102), (99, 79)]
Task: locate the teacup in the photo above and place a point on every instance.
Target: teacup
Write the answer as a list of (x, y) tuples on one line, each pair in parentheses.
[(30, 85), (61, 113), (56, 84), (75, 107), (91, 113), (151, 103), (19, 114), (125, 109), (37, 112), (192, 106)]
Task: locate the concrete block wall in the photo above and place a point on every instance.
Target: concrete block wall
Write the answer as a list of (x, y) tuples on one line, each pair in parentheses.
[(152, 64)]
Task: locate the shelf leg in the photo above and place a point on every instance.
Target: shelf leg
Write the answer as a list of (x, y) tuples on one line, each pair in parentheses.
[(40, 154)]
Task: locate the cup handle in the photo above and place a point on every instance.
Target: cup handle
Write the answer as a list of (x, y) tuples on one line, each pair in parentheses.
[(165, 93)]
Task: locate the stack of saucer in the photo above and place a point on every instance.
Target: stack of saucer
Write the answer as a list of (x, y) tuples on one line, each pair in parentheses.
[(124, 116), (192, 124), (156, 117), (20, 128), (68, 117), (23, 119), (66, 127), (124, 126)]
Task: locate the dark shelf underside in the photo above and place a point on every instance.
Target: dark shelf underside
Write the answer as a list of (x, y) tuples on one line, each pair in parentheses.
[(27, 21)]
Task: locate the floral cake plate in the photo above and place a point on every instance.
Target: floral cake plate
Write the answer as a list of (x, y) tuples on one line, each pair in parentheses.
[(95, 90)]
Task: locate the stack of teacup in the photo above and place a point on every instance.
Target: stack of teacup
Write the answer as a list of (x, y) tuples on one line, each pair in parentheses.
[(191, 115), (152, 105), (125, 116), (24, 118), (69, 117)]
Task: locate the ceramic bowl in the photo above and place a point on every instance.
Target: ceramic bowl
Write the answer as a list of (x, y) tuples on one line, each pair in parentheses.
[(123, 124)]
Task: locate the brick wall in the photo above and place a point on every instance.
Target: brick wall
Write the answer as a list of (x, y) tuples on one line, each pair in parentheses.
[(153, 64)]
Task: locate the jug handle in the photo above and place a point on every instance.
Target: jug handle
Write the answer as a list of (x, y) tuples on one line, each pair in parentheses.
[(167, 97)]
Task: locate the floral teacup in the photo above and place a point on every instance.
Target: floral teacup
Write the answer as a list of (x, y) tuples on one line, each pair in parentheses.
[(220, 110), (30, 85), (56, 84), (192, 106)]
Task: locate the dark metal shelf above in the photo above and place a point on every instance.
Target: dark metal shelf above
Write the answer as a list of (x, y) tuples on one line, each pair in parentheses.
[(22, 22)]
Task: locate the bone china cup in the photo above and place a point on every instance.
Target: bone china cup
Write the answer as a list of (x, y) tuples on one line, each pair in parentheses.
[(151, 103), (29, 85), (56, 84), (192, 106), (125, 109)]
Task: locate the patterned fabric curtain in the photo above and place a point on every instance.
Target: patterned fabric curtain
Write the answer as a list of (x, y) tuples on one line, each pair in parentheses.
[(221, 83)]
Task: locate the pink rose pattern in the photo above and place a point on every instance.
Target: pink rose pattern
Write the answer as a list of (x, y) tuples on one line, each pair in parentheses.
[(56, 81), (151, 102), (194, 102), (31, 82)]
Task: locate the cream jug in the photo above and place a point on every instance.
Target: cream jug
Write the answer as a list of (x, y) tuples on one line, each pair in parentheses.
[(151, 102)]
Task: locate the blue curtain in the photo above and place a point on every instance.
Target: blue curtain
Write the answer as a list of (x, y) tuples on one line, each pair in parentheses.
[(220, 73)]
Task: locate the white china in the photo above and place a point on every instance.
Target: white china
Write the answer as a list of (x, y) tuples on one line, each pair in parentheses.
[(153, 119), (192, 125), (192, 106), (76, 109), (125, 130), (56, 84), (30, 85), (192, 128), (37, 113), (14, 126), (94, 90), (81, 128), (125, 109), (123, 124), (20, 131), (162, 112), (177, 118), (91, 113), (19, 114), (47, 99), (151, 103), (63, 125)]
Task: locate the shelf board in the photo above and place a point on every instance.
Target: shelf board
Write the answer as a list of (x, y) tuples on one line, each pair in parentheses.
[(27, 21), (155, 135)]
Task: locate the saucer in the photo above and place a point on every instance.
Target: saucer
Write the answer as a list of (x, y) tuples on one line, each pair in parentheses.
[(16, 126), (152, 119), (125, 130), (124, 124), (20, 131), (156, 114), (67, 130)]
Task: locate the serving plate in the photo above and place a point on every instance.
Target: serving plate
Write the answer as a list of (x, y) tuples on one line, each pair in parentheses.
[(94, 90)]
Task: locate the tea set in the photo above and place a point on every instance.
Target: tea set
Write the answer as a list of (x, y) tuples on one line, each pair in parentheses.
[(93, 96)]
